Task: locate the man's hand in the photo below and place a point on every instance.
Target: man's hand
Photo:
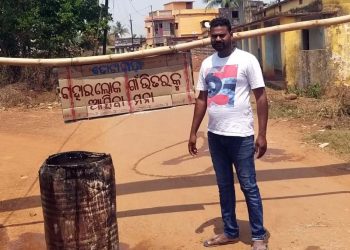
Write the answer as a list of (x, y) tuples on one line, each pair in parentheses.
[(260, 146), (199, 112), (262, 111), (192, 149)]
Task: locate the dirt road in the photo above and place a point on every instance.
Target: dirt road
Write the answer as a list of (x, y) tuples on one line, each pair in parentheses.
[(165, 198)]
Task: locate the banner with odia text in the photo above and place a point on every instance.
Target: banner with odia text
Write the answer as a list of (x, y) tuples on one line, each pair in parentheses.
[(98, 90)]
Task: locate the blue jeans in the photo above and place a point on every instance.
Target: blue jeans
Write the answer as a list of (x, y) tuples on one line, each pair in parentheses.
[(239, 151)]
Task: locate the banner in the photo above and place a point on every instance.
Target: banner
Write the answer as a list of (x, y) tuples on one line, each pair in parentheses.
[(97, 90)]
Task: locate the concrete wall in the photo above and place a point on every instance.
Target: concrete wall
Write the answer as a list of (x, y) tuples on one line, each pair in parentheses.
[(329, 65), (245, 45), (291, 46), (338, 42), (272, 60), (328, 57), (268, 68), (272, 63), (239, 44), (189, 21), (178, 5), (338, 38), (254, 46), (314, 68), (342, 6)]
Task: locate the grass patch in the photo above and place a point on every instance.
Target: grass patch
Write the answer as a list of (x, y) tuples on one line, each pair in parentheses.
[(339, 141), (19, 94), (334, 108), (328, 113), (284, 110)]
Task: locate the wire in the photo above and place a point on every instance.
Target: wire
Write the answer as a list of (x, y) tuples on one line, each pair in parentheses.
[(138, 11), (123, 11)]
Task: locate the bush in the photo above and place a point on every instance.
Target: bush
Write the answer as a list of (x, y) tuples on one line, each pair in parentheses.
[(35, 78), (312, 91)]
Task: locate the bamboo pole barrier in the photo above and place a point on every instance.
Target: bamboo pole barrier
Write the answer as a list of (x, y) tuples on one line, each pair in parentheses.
[(60, 62)]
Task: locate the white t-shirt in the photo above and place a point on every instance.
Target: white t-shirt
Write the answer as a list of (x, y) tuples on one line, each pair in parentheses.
[(228, 81)]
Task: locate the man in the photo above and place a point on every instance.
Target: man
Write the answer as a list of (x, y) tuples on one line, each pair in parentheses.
[(224, 85)]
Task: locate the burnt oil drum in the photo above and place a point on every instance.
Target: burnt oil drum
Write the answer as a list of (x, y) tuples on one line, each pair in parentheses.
[(78, 196)]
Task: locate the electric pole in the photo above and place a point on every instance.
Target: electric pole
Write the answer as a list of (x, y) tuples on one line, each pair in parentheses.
[(132, 34), (105, 30), (153, 45)]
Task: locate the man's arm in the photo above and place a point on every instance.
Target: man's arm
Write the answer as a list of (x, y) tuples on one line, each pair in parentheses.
[(262, 111), (199, 112)]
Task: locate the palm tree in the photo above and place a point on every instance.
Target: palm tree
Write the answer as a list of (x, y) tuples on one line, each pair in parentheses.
[(119, 29), (223, 3)]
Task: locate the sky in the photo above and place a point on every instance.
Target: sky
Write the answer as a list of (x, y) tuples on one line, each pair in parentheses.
[(138, 9), (121, 10)]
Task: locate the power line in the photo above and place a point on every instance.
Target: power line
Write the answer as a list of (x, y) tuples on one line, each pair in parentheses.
[(137, 11), (123, 11), (123, 14)]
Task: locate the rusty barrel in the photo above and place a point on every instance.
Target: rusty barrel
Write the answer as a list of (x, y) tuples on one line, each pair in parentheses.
[(78, 196)]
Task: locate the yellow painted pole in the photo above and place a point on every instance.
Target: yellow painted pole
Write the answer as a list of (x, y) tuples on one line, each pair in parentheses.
[(59, 62)]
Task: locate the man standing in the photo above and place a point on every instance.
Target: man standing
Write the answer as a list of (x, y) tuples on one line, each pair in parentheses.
[(224, 85)]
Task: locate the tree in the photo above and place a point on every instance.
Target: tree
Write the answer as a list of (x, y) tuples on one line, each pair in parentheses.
[(223, 3), (119, 29), (50, 28)]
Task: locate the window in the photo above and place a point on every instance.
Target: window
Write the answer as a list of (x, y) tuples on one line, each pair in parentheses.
[(300, 1), (176, 26), (160, 25), (280, 8), (305, 36), (234, 14), (205, 24), (172, 30), (313, 38), (148, 30)]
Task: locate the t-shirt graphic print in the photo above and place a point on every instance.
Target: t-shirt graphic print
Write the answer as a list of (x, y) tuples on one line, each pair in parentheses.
[(222, 85), (228, 82)]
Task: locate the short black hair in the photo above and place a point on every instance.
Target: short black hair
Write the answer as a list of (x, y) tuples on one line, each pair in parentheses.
[(220, 21)]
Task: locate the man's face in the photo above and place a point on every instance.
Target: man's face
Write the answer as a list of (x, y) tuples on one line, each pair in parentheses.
[(220, 38)]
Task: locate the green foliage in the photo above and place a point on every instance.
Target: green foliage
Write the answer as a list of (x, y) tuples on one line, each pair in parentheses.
[(312, 91), (50, 28), (119, 29), (295, 90)]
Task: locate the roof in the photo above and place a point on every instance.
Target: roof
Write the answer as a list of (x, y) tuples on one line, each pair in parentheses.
[(268, 18), (273, 5), (178, 2), (159, 18)]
